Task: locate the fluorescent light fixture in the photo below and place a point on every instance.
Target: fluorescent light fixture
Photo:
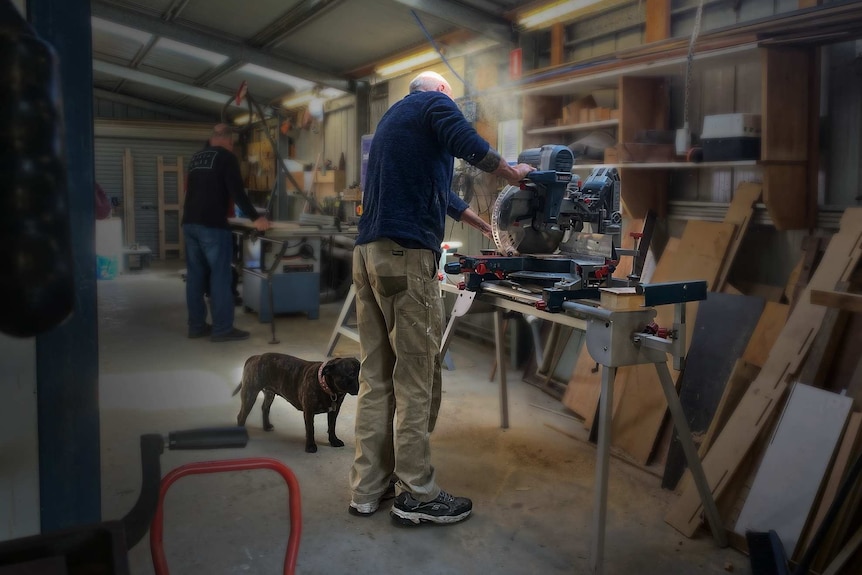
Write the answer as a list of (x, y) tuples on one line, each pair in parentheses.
[(297, 101), (280, 77), (408, 63), (191, 51), (115, 29), (244, 119), (305, 98), (552, 12)]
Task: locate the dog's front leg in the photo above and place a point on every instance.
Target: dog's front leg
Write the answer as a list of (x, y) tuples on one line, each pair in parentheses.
[(268, 397), (331, 417), (310, 445)]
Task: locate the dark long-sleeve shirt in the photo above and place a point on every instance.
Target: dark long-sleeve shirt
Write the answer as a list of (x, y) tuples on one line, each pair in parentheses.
[(408, 185), (214, 180)]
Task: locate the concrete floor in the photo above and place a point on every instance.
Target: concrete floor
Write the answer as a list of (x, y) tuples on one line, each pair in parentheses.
[(532, 484)]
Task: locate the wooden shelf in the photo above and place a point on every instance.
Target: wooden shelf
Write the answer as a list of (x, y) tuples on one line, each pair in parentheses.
[(670, 165), (586, 80), (573, 127)]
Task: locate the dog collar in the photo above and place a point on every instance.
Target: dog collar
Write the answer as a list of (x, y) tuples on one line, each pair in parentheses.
[(322, 381)]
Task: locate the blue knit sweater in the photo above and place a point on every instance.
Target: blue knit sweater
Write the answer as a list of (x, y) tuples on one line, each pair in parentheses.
[(408, 182)]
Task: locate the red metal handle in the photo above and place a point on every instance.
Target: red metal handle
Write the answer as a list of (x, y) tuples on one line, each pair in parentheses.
[(157, 551)]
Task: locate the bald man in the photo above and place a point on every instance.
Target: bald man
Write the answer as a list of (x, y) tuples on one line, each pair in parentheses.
[(214, 186), (406, 200)]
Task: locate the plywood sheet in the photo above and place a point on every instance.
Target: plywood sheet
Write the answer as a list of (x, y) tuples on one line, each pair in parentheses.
[(795, 463), (700, 254), (744, 426), (768, 328), (739, 213), (724, 325), (846, 450)]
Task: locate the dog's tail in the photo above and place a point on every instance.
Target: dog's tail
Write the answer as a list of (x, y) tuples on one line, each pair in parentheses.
[(245, 365)]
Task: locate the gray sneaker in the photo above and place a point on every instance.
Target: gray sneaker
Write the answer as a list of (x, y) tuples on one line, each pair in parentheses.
[(368, 509), (444, 509)]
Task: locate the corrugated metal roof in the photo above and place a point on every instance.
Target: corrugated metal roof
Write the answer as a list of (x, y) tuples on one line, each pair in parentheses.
[(316, 41)]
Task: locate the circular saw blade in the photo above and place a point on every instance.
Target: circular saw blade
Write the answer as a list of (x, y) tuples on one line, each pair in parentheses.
[(512, 225)]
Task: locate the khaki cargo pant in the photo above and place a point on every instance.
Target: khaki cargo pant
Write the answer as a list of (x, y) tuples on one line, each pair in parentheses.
[(400, 319)]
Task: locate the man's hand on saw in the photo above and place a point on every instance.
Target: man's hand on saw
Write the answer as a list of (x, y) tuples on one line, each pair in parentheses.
[(261, 224), (520, 172)]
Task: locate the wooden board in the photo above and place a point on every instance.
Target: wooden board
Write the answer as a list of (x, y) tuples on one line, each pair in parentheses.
[(642, 408), (657, 20), (739, 213), (737, 384), (768, 328), (724, 325), (848, 446), (795, 464), (744, 426), (833, 299), (128, 198), (164, 208), (825, 346), (621, 299)]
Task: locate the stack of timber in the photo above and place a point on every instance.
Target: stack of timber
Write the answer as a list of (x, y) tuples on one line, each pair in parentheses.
[(780, 448)]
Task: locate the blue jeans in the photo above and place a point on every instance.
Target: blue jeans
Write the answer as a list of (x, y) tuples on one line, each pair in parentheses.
[(208, 261)]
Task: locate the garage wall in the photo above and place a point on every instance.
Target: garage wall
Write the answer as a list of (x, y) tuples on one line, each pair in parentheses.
[(109, 174)]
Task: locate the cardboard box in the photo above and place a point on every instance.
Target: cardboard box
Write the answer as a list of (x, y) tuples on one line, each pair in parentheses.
[(615, 114), (634, 152), (573, 112), (612, 155)]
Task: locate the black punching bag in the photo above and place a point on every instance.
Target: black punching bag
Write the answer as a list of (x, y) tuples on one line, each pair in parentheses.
[(36, 278)]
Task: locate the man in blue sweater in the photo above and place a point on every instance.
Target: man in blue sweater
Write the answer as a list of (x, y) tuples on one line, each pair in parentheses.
[(406, 200)]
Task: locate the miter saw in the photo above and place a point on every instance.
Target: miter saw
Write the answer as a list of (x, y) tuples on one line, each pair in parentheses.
[(543, 255)]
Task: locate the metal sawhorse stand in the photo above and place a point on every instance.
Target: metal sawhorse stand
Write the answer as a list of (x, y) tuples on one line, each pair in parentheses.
[(616, 339), (343, 327)]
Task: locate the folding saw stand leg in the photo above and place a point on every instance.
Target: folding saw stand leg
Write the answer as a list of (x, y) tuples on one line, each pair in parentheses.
[(617, 338)]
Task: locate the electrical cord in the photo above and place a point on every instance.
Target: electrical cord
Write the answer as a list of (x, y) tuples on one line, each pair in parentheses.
[(467, 86), (690, 61)]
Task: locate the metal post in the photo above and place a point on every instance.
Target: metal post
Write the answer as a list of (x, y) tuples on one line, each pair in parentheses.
[(694, 465), (67, 357), (600, 504), (500, 345)]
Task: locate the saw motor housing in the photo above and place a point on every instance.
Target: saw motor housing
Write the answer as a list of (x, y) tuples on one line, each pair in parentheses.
[(533, 218)]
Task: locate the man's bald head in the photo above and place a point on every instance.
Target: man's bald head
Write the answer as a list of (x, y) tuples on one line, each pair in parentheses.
[(222, 135), (430, 82)]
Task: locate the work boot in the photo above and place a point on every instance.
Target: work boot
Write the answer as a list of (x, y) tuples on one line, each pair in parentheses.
[(206, 331), (233, 335), (444, 509)]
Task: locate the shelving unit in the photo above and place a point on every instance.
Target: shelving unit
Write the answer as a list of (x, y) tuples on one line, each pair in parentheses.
[(574, 127), (669, 165), (644, 104)]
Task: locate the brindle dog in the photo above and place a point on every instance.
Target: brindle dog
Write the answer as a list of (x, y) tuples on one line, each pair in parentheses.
[(299, 382)]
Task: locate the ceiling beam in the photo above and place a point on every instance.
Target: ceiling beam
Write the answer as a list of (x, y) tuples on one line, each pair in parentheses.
[(296, 17), (463, 16), (160, 82), (230, 48), (171, 111)]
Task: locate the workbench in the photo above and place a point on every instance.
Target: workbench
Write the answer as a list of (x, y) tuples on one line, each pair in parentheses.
[(284, 277)]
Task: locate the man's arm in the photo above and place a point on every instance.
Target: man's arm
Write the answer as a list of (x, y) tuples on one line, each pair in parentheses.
[(233, 181), (462, 141), (494, 163)]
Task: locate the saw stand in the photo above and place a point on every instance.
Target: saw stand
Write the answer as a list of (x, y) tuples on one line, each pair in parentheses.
[(617, 339)]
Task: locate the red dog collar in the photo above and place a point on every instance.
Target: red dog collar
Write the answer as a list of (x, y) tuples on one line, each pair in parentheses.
[(322, 381)]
